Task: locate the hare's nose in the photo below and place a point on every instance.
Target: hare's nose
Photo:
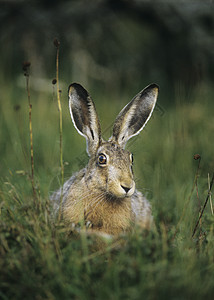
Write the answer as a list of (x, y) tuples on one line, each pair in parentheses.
[(126, 189)]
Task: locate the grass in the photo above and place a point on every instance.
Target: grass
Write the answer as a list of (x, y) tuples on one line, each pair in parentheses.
[(40, 260)]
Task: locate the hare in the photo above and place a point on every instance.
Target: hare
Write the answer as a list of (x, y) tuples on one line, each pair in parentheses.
[(103, 194)]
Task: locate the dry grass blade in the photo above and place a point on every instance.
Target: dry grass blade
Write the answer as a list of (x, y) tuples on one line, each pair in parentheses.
[(26, 66), (56, 44), (205, 203), (211, 204)]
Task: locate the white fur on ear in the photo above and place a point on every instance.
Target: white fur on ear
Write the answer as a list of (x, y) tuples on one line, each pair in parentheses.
[(134, 116)]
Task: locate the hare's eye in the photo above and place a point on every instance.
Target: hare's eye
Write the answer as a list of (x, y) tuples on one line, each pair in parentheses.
[(131, 158), (102, 159)]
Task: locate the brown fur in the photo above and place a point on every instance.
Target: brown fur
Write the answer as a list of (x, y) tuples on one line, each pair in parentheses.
[(106, 215), (87, 202), (103, 195)]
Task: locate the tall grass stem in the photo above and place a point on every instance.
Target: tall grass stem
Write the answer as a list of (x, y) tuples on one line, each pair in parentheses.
[(211, 204), (56, 43), (31, 138), (205, 203)]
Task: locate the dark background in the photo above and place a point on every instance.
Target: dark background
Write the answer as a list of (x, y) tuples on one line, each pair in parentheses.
[(111, 45)]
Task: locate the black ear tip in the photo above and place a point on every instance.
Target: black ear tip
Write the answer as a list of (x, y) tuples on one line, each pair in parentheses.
[(153, 86), (79, 89)]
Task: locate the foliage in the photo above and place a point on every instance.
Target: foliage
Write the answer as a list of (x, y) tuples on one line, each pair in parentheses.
[(108, 43), (41, 260), (114, 48)]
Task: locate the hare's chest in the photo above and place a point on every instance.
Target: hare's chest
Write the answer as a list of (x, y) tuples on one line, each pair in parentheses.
[(109, 217)]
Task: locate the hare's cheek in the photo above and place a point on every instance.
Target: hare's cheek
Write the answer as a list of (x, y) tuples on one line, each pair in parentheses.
[(101, 178), (112, 182), (114, 189)]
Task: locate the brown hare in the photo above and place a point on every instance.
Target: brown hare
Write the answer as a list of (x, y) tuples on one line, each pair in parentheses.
[(103, 194)]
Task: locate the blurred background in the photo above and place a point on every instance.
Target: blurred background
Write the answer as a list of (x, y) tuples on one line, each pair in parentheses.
[(114, 49), (111, 45)]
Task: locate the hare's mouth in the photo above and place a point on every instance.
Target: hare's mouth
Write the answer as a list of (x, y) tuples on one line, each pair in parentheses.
[(113, 198), (116, 198)]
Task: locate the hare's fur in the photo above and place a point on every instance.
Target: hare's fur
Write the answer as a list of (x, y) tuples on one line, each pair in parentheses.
[(103, 194)]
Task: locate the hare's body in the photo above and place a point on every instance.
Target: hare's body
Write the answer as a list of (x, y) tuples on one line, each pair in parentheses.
[(103, 195), (98, 207)]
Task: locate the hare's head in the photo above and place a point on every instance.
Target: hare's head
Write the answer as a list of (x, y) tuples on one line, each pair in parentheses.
[(110, 165)]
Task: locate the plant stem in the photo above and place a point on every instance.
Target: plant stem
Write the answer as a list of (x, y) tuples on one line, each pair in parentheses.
[(31, 139), (211, 205), (60, 129), (205, 203)]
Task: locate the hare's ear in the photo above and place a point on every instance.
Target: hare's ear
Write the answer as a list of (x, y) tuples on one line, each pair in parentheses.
[(84, 116), (134, 116)]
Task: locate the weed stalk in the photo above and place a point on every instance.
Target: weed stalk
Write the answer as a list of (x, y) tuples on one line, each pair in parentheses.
[(205, 203), (211, 205), (56, 44), (26, 66)]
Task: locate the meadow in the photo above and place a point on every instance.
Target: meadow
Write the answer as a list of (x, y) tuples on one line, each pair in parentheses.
[(40, 259)]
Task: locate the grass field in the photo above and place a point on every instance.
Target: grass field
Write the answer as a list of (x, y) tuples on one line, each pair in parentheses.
[(40, 260)]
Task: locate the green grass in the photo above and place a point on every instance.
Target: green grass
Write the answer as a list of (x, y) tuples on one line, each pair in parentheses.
[(39, 260)]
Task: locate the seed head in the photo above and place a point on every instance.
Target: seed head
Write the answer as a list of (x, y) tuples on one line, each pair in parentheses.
[(17, 107), (25, 65), (56, 43), (196, 156)]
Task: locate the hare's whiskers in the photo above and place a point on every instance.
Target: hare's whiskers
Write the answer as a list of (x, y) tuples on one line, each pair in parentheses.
[(96, 200), (93, 205)]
